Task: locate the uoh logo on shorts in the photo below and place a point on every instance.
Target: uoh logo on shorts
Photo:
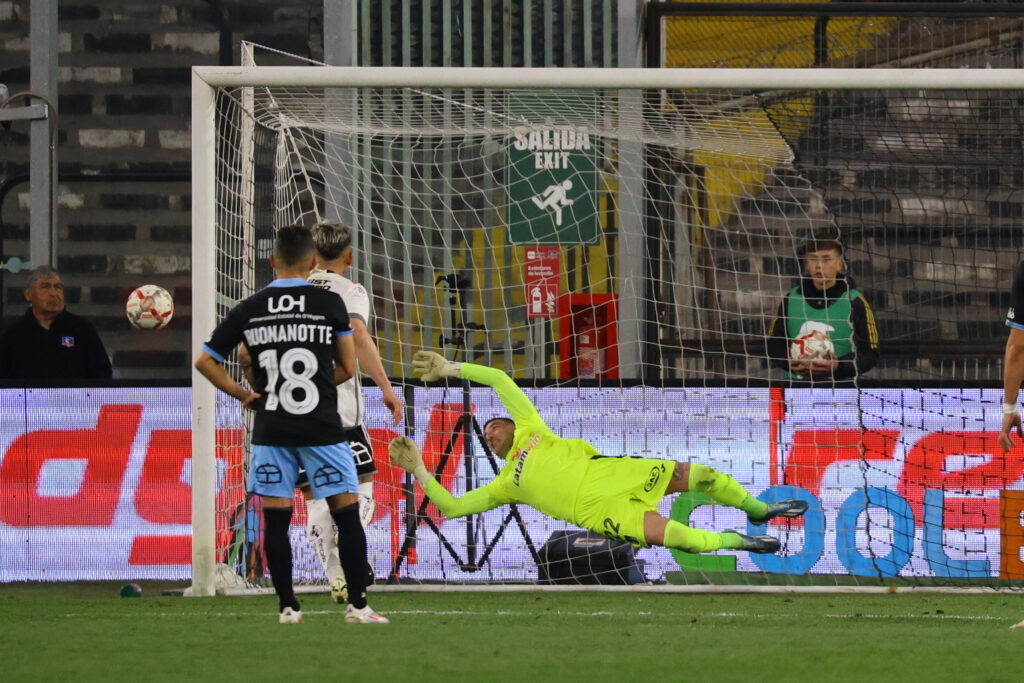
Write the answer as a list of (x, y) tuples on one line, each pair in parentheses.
[(268, 474), (327, 475)]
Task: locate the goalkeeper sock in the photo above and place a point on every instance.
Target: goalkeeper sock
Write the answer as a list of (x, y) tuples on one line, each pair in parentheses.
[(682, 537), (367, 505), (279, 554), (725, 490), (320, 532), (352, 553)]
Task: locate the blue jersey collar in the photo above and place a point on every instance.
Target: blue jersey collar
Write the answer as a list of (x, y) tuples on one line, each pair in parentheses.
[(289, 282)]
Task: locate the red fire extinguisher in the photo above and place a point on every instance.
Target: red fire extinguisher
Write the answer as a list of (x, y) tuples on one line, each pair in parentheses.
[(589, 355)]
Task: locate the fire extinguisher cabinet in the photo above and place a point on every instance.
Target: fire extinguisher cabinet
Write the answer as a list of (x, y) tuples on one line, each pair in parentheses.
[(588, 336)]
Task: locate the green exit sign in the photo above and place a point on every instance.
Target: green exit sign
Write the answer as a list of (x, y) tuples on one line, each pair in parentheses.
[(552, 183)]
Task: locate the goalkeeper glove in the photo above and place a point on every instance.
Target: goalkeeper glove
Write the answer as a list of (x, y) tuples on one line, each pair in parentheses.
[(404, 452), (432, 366)]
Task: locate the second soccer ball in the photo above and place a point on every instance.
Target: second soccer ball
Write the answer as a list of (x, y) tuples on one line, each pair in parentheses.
[(149, 307), (813, 346)]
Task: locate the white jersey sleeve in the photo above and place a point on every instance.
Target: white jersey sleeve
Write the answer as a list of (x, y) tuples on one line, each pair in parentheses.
[(357, 301)]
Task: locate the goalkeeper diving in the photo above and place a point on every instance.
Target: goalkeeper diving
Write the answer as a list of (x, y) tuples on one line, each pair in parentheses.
[(568, 479)]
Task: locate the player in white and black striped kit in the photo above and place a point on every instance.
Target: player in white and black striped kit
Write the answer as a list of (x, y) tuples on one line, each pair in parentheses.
[(300, 340), (334, 255)]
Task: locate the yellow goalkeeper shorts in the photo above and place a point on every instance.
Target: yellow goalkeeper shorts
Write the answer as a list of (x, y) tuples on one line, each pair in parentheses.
[(618, 492)]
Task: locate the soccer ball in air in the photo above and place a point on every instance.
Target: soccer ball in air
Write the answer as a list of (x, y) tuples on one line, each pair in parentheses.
[(812, 346), (149, 307)]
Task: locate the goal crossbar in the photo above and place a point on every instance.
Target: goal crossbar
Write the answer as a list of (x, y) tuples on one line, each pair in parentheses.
[(640, 79)]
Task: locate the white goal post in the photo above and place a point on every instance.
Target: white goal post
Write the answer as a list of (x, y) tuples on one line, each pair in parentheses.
[(630, 86)]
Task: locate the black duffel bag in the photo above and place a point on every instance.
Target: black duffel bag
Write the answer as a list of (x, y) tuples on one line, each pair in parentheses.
[(583, 557)]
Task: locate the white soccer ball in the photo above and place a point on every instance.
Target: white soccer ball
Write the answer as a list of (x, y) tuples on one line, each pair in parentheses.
[(812, 346), (149, 307)]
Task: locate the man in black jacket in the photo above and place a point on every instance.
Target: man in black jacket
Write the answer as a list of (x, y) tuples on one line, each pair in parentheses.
[(825, 299), (49, 342)]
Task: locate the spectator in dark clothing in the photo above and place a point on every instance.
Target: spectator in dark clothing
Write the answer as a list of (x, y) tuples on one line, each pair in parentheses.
[(825, 299), (49, 342)]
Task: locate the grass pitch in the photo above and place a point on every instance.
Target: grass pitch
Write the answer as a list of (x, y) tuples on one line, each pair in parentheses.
[(86, 632)]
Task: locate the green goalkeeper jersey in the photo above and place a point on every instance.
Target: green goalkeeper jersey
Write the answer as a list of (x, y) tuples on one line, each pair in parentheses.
[(544, 470)]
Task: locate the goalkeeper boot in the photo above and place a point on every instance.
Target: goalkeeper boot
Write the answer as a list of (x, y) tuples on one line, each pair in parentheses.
[(339, 589), (290, 616), (339, 592), (366, 615), (784, 508), (757, 544)]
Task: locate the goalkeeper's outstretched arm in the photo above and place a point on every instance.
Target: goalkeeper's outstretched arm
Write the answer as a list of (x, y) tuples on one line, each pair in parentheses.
[(432, 366), (404, 452)]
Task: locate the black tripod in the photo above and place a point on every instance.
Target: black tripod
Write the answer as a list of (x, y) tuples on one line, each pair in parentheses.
[(470, 563), (456, 337)]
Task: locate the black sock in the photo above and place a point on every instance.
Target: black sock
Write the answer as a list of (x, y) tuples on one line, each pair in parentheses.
[(279, 554), (352, 551)]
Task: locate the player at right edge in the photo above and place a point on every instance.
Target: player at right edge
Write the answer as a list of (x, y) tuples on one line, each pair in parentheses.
[(568, 479), (1013, 362)]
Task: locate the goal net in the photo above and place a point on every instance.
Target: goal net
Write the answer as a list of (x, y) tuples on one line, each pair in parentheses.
[(619, 241)]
